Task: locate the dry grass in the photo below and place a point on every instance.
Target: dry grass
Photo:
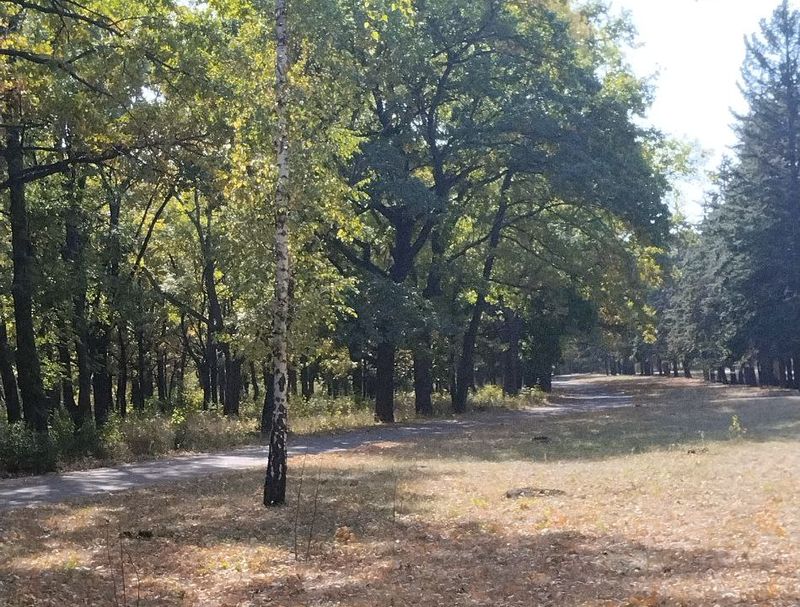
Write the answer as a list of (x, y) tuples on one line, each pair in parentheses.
[(661, 505), (344, 414)]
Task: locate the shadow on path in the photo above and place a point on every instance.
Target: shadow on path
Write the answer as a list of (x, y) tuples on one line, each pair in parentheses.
[(588, 416)]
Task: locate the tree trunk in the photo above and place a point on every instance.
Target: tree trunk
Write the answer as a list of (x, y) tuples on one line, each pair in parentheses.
[(512, 381), (254, 381), (766, 376), (223, 357), (268, 408), (304, 392), (466, 364), (465, 370), (357, 377), (275, 481), (75, 257), (546, 380), (204, 378), (138, 394), (292, 381), (10, 394), (161, 380), (175, 388), (423, 377), (101, 378), (750, 376), (233, 385), (29, 368), (122, 374), (796, 371), (384, 382), (67, 389)]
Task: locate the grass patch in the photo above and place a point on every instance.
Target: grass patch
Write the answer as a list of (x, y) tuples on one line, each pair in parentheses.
[(323, 414), (621, 507)]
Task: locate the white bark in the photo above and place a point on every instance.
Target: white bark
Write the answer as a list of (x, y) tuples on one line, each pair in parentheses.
[(275, 486)]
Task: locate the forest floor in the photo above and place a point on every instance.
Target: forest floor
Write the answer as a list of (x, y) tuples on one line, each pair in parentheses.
[(649, 492)]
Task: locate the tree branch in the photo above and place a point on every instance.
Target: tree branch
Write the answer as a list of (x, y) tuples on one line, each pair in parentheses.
[(346, 252)]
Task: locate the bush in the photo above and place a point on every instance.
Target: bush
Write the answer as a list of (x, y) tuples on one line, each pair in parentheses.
[(492, 397), (532, 397), (112, 440), (205, 430), (71, 444), (147, 435), (25, 451), (321, 404)]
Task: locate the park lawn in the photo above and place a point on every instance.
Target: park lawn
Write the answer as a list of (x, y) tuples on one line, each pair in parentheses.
[(673, 502)]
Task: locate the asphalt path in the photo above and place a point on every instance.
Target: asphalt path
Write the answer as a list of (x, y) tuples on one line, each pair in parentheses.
[(573, 394)]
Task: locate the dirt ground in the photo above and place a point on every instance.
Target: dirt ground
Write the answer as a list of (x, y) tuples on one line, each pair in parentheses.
[(677, 493)]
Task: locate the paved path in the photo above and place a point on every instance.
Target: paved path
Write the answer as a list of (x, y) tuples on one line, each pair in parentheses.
[(573, 395)]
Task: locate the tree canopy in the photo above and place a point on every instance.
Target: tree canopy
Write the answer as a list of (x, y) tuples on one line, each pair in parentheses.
[(470, 187)]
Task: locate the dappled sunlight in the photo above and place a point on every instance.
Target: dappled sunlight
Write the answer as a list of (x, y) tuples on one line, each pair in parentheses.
[(618, 507)]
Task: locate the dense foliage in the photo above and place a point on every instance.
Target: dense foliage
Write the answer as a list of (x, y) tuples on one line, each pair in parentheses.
[(469, 187), (734, 298)]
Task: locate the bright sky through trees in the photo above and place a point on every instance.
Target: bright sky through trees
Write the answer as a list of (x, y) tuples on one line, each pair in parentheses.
[(696, 49)]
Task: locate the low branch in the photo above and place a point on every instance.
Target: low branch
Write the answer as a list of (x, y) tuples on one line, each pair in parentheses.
[(346, 252), (55, 62), (56, 8), (143, 249), (169, 297), (41, 171)]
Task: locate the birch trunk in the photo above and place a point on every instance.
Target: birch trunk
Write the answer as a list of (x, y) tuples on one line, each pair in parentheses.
[(275, 483)]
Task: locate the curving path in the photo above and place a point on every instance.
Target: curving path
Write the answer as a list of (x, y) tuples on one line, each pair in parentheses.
[(573, 394)]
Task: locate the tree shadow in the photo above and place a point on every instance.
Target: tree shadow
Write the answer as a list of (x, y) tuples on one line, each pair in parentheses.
[(209, 542), (471, 566), (628, 416)]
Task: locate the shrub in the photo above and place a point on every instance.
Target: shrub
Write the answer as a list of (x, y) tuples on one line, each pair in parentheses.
[(25, 451), (736, 429), (147, 435), (323, 413), (71, 444), (532, 397), (112, 440), (321, 404), (490, 396), (205, 430)]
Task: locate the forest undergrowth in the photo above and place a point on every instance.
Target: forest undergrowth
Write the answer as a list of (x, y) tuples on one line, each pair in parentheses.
[(151, 433)]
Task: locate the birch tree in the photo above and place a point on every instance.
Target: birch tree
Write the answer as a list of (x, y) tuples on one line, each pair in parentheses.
[(275, 483)]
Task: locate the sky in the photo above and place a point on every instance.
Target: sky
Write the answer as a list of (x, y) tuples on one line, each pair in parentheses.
[(695, 48)]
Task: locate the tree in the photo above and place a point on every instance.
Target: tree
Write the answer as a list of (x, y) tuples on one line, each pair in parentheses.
[(275, 484), (736, 293)]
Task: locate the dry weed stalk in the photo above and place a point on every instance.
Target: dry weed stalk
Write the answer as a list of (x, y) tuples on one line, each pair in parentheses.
[(313, 513), (297, 505), (123, 554)]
